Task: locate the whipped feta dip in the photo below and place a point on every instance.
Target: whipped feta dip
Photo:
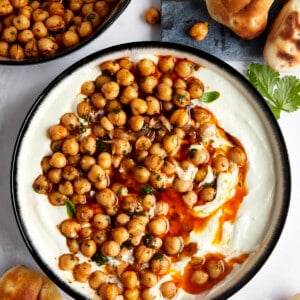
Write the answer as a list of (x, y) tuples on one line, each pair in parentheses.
[(235, 115)]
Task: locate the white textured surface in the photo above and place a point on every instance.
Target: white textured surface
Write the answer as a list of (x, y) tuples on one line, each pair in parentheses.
[(20, 86)]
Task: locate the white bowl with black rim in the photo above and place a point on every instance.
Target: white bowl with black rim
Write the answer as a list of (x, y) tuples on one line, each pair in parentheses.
[(240, 110)]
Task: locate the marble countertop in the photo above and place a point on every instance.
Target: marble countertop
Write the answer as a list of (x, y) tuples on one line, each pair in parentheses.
[(21, 85)]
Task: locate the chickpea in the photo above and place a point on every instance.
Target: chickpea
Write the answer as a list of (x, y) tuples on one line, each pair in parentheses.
[(88, 248), (6, 8), (69, 173), (168, 289), (143, 254), (97, 279), (41, 185), (55, 23), (54, 175), (110, 90), (160, 264), (127, 164), (148, 278), (70, 146), (135, 227), (148, 202), (136, 123), (4, 48), (70, 121), (207, 193), (171, 143), (57, 132), (158, 225), (184, 68), (141, 174), (157, 149), (47, 46), (122, 219), (83, 109), (21, 22), (82, 186), (199, 277), (164, 92), (215, 268), (196, 88), (58, 160), (86, 162), (25, 36), (88, 145), (148, 84), (132, 294), (158, 180), (98, 100), (153, 106), (106, 124), (75, 5), (19, 3), (109, 291), (129, 93), (100, 236), (190, 198), (106, 197), (84, 213), (110, 248), (96, 174), (120, 147), (173, 245), (146, 67), (101, 79), (31, 49), (168, 168), (237, 155), (138, 106), (147, 294), (104, 160), (66, 188), (220, 163), (109, 67), (161, 208), (101, 221), (78, 199), (117, 117), (10, 34), (94, 18), (199, 31), (181, 98), (124, 77), (40, 15), (70, 228), (166, 64), (82, 271), (182, 186), (67, 262), (152, 16), (120, 234), (129, 279), (180, 117), (207, 130)]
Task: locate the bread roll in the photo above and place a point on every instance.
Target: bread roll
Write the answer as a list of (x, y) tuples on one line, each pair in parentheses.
[(22, 283), (247, 18), (282, 48)]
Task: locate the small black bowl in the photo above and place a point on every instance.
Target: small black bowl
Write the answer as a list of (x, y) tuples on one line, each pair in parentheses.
[(109, 20)]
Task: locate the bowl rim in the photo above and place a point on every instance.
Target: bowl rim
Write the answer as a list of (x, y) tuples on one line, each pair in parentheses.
[(284, 158), (113, 16)]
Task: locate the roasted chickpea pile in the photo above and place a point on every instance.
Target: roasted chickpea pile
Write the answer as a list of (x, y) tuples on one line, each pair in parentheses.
[(32, 29), (121, 165)]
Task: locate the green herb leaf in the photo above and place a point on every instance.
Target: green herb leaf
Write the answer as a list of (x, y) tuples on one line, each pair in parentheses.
[(147, 190), (70, 207), (280, 93), (102, 146), (158, 256), (99, 258), (210, 96)]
